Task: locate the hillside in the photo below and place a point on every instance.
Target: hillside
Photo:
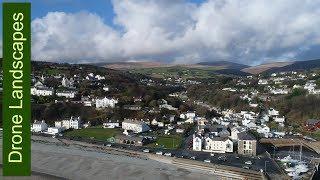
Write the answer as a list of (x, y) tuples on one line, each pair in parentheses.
[(297, 66), (264, 67), (132, 65), (225, 64)]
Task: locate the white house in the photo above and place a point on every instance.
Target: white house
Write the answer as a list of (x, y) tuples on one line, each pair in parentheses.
[(190, 115), (197, 143), (66, 82), (106, 102), (135, 126), (66, 94), (73, 122), (39, 126), (105, 88), (273, 112), (41, 91), (218, 144), (263, 82), (279, 119), (111, 124)]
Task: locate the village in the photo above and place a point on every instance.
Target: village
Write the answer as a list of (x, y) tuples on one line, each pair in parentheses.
[(187, 127)]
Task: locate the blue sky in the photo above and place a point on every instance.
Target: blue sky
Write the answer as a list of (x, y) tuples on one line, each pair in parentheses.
[(179, 31)]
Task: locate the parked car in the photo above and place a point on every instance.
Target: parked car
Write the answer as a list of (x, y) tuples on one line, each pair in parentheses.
[(167, 154), (146, 150), (159, 152), (248, 163), (246, 167), (207, 160), (193, 157)]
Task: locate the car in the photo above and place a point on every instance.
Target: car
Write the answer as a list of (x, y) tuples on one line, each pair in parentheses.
[(212, 154), (159, 153), (108, 145), (167, 154), (246, 167), (193, 157), (248, 163), (146, 150), (222, 158), (207, 160)]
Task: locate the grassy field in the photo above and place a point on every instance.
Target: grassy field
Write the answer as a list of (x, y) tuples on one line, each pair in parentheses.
[(169, 142), (177, 71), (94, 132)]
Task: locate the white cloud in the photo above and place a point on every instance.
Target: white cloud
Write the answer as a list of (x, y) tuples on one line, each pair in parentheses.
[(177, 31)]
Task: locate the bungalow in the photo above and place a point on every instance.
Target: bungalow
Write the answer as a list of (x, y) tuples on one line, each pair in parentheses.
[(135, 126), (55, 130), (111, 124), (132, 140)]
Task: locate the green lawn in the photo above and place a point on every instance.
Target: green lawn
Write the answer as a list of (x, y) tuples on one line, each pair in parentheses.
[(315, 135), (94, 132), (169, 142)]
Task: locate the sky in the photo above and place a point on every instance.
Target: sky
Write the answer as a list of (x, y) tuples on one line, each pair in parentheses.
[(175, 31)]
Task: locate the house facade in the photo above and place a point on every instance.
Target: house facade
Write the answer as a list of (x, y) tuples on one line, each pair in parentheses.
[(218, 144), (247, 144)]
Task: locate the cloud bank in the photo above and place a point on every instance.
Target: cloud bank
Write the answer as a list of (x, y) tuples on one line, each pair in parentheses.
[(246, 31)]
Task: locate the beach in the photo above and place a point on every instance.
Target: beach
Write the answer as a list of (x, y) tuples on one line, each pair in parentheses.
[(53, 160)]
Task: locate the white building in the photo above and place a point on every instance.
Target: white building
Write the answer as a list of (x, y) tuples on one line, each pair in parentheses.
[(135, 126), (190, 115), (41, 91), (39, 126), (279, 119), (263, 82), (66, 82), (66, 94), (55, 130), (111, 124), (218, 145), (273, 112), (197, 143), (73, 122), (106, 102)]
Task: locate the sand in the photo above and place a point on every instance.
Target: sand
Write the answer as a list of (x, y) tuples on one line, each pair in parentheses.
[(74, 162)]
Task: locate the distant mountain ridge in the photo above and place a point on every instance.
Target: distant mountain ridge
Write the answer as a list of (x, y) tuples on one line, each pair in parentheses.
[(223, 67), (297, 66), (227, 64)]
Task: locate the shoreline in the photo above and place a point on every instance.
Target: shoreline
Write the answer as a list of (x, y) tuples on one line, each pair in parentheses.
[(52, 160)]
